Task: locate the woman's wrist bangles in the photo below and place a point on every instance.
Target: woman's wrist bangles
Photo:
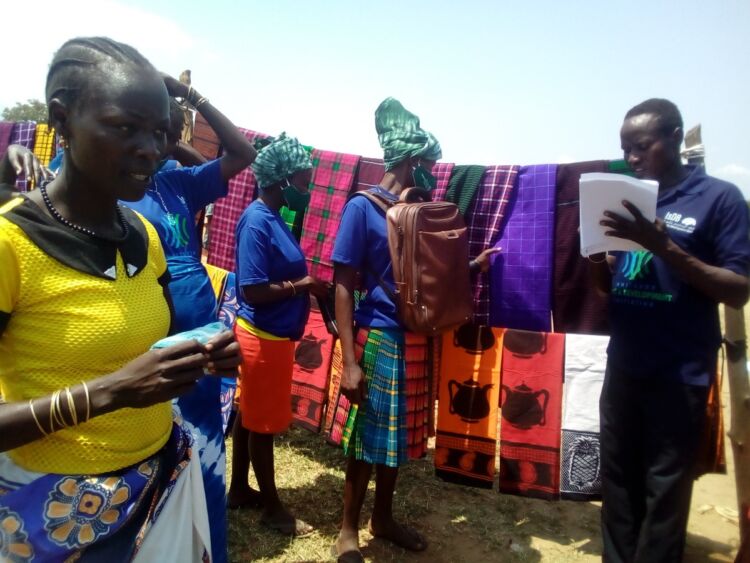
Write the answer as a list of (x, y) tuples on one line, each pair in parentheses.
[(598, 261), (194, 98), (57, 419), (294, 289)]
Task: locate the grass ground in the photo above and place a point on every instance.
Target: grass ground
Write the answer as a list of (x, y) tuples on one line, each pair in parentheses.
[(462, 524)]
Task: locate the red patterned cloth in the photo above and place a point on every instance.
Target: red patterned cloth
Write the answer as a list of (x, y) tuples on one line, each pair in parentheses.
[(467, 405), (369, 173), (417, 395), (531, 410), (205, 140), (312, 365), (227, 212), (442, 171), (485, 221), (332, 180)]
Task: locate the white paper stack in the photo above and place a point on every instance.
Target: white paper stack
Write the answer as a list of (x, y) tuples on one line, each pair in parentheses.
[(600, 192)]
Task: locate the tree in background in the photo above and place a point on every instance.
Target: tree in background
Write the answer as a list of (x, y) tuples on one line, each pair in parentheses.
[(32, 110)]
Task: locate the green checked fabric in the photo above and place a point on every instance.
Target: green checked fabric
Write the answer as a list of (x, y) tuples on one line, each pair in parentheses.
[(293, 220), (280, 159), (463, 185), (401, 136)]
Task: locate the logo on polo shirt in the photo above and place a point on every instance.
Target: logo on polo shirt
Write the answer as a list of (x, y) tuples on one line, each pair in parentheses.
[(677, 222), (637, 264)]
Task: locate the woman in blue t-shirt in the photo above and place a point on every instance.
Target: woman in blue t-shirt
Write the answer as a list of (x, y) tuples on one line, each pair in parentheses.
[(174, 197), (272, 293), (373, 376)]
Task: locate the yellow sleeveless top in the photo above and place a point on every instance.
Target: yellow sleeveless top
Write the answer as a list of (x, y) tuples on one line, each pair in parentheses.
[(66, 326)]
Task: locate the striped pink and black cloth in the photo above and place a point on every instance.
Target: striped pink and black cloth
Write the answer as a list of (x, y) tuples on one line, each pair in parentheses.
[(227, 211), (485, 222), (442, 171), (332, 180), (23, 134)]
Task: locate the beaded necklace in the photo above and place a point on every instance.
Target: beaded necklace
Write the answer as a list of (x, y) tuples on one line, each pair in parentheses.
[(58, 216)]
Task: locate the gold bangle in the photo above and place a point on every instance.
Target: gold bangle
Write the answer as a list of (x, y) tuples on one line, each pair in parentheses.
[(51, 418), (88, 401), (33, 414), (71, 407), (294, 289), (57, 409), (200, 102)]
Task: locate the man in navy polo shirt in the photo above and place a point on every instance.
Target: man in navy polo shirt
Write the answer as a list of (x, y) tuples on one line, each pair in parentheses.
[(665, 335)]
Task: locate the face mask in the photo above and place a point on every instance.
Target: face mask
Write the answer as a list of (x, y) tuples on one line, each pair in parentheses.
[(423, 179), (295, 200)]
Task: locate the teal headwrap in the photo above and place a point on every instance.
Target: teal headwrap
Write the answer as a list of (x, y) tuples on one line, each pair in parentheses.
[(279, 159), (401, 136)]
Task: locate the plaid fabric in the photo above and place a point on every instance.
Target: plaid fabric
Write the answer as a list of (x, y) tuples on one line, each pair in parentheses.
[(521, 275), (531, 407), (417, 394), (6, 129), (333, 177), (463, 186), (293, 220), (44, 143), (334, 386), (485, 222), (577, 306), (23, 134), (376, 430), (434, 349), (442, 171), (227, 211)]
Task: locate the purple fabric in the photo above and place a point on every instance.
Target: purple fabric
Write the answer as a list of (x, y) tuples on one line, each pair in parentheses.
[(521, 275), (485, 220), (23, 134), (6, 128)]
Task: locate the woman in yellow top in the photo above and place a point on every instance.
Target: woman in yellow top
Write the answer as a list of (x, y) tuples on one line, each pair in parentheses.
[(92, 467)]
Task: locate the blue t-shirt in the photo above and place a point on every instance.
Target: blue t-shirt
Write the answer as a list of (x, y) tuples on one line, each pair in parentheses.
[(171, 203), (362, 243), (661, 326), (174, 198), (268, 252)]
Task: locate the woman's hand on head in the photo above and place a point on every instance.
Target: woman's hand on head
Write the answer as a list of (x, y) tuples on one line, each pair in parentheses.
[(175, 88), (157, 376), (224, 354), (23, 161)]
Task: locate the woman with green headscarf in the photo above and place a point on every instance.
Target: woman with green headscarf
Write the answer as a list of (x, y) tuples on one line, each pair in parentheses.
[(373, 376), (272, 294)]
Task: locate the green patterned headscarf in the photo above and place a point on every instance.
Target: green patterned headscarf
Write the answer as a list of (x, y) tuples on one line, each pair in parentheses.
[(279, 159), (401, 136)]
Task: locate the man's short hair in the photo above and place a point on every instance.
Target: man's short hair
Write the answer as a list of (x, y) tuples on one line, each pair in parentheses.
[(669, 116)]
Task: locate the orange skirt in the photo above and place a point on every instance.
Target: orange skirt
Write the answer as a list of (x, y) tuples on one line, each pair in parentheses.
[(266, 380)]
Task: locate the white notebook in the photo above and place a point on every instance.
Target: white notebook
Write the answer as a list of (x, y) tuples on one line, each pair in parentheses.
[(600, 192)]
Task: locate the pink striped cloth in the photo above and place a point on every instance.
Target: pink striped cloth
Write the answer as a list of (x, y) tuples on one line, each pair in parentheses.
[(227, 211), (442, 171), (369, 173), (485, 223), (332, 180)]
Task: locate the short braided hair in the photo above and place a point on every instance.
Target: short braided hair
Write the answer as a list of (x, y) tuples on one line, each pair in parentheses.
[(71, 70)]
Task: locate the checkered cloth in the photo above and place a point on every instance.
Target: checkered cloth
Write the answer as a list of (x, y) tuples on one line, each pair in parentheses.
[(442, 171), (23, 134), (205, 140), (369, 173), (485, 218), (521, 275), (332, 180), (44, 143), (6, 128), (227, 211), (375, 431)]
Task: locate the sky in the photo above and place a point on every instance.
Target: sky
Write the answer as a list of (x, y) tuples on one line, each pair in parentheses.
[(497, 82)]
